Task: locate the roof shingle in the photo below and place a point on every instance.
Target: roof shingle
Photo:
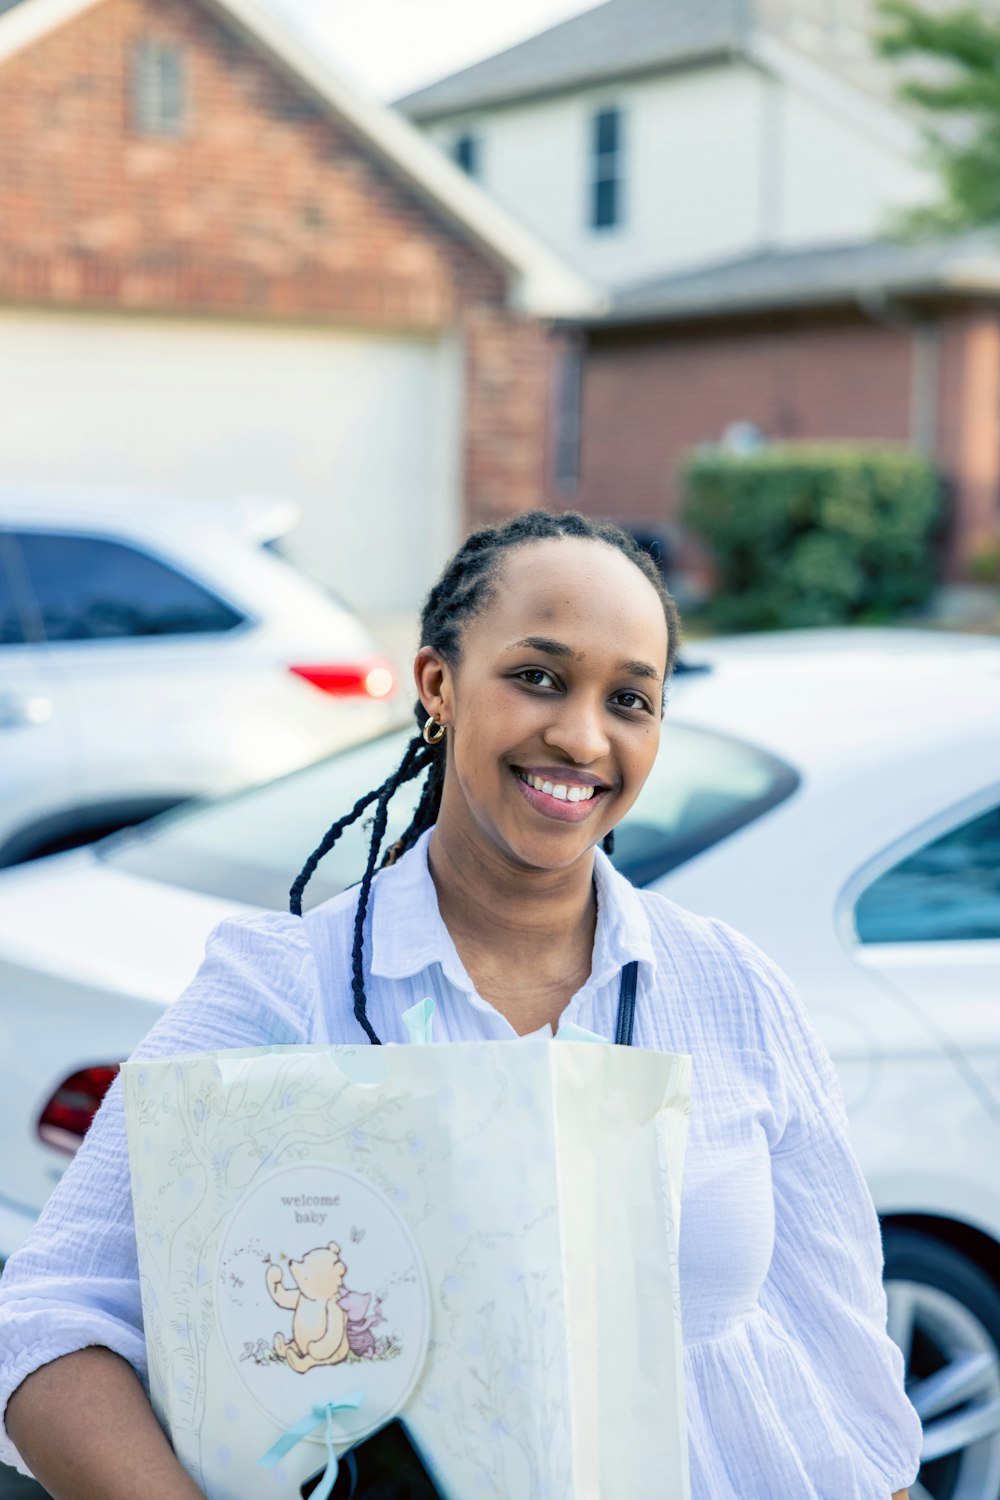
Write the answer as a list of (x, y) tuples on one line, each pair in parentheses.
[(830, 275), (620, 37)]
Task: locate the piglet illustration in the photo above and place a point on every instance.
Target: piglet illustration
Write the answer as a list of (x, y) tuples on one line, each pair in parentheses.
[(359, 1322)]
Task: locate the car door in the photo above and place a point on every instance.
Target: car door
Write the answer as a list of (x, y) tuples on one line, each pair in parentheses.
[(40, 766), (927, 922), (139, 639)]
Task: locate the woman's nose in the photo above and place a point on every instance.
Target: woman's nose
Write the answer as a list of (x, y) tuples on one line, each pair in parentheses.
[(578, 731)]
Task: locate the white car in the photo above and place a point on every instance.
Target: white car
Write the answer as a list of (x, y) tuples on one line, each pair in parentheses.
[(155, 651), (836, 795)]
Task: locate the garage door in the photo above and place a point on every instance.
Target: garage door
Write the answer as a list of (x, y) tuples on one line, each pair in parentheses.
[(363, 430)]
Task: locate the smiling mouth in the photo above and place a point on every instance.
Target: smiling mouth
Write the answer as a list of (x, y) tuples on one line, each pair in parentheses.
[(568, 791), (564, 801)]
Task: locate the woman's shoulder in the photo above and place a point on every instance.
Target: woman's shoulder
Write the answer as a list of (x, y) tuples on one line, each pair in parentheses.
[(272, 940), (282, 948), (715, 961), (704, 937)]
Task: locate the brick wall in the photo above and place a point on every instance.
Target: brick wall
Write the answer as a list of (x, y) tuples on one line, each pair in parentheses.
[(968, 427), (510, 375), (265, 206), (649, 396)]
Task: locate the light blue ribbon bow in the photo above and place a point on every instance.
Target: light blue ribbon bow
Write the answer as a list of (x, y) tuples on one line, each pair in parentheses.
[(319, 1414)]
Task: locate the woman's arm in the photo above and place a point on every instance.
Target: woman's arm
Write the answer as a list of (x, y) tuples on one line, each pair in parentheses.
[(901, 1495), (824, 1283), (86, 1430), (69, 1296)]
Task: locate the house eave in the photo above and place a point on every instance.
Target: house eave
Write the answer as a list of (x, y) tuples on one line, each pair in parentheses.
[(867, 298)]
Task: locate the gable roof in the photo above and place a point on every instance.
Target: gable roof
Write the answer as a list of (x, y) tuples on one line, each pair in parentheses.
[(622, 39), (865, 274), (541, 284), (616, 39)]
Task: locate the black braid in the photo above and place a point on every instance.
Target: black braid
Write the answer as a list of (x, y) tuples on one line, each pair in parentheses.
[(416, 759), (465, 587), (357, 951), (329, 839)]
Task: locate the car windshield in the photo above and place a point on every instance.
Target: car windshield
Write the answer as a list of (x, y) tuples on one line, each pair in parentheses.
[(249, 847)]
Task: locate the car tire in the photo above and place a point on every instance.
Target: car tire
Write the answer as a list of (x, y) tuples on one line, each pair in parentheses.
[(944, 1313)]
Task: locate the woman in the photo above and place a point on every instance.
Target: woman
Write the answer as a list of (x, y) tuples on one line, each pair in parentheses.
[(547, 647)]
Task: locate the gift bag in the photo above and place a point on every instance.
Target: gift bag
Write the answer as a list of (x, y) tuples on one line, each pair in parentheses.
[(479, 1238)]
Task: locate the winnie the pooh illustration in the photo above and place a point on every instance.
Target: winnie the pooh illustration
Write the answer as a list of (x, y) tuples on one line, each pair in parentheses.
[(319, 1323)]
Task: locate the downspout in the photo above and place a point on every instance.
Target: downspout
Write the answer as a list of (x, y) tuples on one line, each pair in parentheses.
[(925, 333)]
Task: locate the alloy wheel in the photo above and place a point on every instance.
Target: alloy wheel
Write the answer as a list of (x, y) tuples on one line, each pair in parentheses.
[(944, 1315)]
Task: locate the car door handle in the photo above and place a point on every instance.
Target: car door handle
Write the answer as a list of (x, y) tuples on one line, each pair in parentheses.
[(20, 709)]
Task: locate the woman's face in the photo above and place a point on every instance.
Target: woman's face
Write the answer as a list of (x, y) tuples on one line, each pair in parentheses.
[(555, 706)]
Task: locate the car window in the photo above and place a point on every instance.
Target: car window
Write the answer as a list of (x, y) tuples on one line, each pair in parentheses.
[(92, 588), (11, 628), (948, 891), (250, 847)]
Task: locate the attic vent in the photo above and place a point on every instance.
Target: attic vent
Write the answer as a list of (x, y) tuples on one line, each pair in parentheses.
[(159, 89)]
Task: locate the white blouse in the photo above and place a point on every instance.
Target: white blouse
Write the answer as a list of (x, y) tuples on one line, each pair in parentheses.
[(793, 1386)]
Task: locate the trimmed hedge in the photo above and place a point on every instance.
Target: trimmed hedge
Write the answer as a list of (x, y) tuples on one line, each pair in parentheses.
[(817, 534)]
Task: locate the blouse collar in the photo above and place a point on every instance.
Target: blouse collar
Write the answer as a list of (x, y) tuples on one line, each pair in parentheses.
[(409, 935)]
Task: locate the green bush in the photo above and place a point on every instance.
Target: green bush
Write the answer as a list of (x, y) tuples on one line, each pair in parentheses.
[(817, 534), (984, 565)]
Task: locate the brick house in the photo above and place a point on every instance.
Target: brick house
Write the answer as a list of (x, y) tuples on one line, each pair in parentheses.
[(221, 270), (895, 343), (724, 168)]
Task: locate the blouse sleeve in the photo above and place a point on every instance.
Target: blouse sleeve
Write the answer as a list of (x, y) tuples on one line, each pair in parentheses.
[(74, 1282), (824, 1282)]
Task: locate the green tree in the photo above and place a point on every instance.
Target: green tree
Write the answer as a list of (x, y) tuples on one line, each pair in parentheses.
[(959, 101)]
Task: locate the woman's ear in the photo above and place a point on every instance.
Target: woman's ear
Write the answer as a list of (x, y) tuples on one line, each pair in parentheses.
[(433, 679)]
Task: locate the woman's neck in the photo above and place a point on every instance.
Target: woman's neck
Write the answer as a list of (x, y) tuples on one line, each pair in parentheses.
[(525, 937)]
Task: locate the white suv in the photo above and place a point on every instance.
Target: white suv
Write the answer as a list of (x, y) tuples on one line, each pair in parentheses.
[(151, 651)]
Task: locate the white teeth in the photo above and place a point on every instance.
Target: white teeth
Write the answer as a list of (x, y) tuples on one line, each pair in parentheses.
[(561, 792)]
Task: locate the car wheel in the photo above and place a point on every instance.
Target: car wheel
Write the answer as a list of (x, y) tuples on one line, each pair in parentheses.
[(944, 1314)]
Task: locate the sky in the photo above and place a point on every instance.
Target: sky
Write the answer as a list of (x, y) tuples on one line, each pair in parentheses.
[(391, 47)]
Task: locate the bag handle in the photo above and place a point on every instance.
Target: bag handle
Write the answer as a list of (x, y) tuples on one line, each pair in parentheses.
[(626, 1004)]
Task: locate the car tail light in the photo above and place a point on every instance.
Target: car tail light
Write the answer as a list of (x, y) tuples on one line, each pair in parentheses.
[(66, 1118), (366, 679)]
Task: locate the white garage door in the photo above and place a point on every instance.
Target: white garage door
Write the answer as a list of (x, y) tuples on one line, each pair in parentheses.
[(363, 430)]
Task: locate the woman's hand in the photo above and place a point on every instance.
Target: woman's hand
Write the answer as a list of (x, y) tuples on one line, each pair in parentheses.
[(85, 1428)]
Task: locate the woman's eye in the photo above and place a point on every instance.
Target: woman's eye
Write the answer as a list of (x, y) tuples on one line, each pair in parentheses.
[(536, 677), (631, 700)]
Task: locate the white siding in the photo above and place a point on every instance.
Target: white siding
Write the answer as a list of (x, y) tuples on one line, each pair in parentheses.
[(692, 163), (719, 161), (362, 430), (838, 181)]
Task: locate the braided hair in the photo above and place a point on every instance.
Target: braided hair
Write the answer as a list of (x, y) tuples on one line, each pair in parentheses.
[(466, 587)]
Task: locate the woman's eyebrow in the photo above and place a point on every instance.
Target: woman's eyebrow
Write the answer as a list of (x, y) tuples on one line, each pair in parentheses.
[(542, 643), (558, 648), (640, 669)]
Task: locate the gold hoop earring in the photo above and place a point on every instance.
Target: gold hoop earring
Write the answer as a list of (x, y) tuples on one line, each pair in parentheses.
[(436, 734)]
